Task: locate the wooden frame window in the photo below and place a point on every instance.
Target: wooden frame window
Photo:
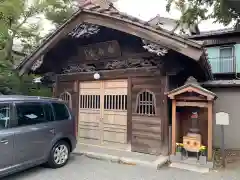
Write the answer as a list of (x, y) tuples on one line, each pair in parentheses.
[(115, 102), (146, 103), (66, 96), (90, 101)]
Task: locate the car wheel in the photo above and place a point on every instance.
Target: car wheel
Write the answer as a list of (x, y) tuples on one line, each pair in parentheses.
[(59, 155)]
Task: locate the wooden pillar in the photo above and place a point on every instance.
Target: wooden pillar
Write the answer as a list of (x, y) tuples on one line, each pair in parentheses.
[(76, 89), (173, 126), (210, 129), (56, 91), (129, 111)]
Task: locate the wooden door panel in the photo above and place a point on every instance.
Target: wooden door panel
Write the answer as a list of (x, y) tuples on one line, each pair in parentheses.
[(121, 83), (90, 85), (103, 112), (115, 112), (89, 126), (115, 118), (113, 135)]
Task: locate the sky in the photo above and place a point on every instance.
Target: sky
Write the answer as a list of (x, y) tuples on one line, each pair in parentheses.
[(142, 9), (147, 9)]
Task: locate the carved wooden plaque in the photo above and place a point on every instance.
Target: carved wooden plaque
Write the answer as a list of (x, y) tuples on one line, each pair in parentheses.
[(103, 50)]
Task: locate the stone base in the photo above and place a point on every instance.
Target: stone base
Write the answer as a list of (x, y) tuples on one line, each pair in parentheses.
[(189, 167), (202, 163)]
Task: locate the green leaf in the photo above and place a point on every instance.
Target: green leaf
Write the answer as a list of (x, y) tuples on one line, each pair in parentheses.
[(193, 11)]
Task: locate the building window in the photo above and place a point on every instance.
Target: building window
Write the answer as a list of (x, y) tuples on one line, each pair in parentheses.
[(66, 96), (146, 103), (226, 64), (90, 101)]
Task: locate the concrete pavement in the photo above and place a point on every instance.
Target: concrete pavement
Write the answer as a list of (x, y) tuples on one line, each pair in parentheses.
[(83, 168), (120, 156)]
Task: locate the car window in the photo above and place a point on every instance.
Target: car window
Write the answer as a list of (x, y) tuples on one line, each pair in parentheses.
[(48, 112), (30, 113), (61, 111), (4, 115)]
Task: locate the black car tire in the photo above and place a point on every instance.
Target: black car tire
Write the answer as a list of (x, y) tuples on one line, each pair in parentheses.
[(52, 160)]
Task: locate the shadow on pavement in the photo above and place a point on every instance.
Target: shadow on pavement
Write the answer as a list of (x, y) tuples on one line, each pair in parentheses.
[(34, 170)]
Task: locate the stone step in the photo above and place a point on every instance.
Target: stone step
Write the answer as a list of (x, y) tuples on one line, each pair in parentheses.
[(189, 167)]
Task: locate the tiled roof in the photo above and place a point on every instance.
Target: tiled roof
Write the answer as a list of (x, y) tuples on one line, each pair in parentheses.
[(215, 32), (199, 87), (222, 83)]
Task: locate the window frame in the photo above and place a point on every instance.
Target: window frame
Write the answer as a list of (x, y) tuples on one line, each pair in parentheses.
[(226, 47), (154, 102), (221, 58), (26, 102), (114, 102), (11, 115), (84, 99), (54, 113)]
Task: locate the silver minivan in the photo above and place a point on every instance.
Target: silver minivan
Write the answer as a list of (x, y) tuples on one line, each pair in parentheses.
[(34, 131)]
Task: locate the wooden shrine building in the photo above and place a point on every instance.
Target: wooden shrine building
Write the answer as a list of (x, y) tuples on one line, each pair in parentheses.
[(114, 70), (192, 121)]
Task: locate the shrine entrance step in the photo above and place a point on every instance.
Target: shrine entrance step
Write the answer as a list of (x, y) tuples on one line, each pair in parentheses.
[(190, 164)]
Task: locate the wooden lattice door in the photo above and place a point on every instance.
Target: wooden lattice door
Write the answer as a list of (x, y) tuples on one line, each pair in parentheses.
[(103, 113)]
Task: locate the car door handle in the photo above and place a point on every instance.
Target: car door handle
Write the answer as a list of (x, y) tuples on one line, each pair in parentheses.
[(4, 141), (52, 131)]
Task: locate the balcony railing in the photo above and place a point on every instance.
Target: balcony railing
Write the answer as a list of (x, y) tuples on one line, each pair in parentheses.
[(223, 65)]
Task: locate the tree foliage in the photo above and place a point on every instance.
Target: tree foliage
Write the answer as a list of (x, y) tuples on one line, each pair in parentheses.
[(60, 11), (193, 11), (14, 25)]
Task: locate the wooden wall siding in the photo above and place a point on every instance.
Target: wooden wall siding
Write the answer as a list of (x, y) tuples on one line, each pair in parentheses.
[(147, 129)]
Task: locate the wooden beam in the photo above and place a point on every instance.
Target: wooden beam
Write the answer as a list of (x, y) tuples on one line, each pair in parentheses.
[(191, 104), (111, 74), (173, 126), (190, 98), (210, 129), (122, 57)]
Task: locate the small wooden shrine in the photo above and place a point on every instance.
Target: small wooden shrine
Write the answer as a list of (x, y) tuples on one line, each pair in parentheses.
[(192, 122)]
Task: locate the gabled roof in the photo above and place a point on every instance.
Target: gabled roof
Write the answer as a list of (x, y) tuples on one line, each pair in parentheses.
[(192, 88), (112, 18)]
